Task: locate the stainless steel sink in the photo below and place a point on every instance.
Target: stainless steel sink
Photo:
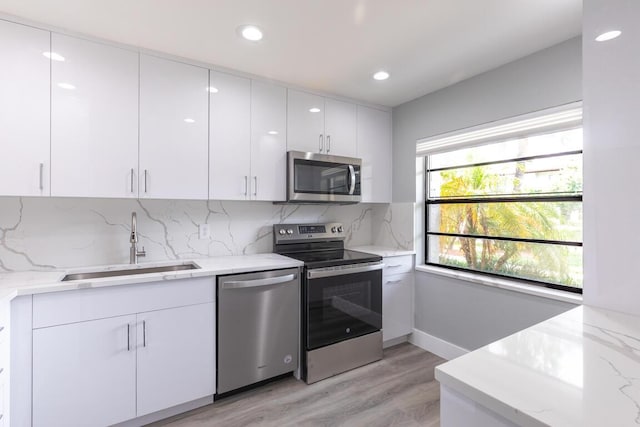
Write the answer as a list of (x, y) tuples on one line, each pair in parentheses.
[(127, 272)]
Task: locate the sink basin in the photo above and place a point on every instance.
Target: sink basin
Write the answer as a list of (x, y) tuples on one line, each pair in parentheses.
[(127, 272)]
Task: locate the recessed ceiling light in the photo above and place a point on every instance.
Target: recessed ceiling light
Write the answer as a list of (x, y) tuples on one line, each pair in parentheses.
[(67, 86), (314, 110), (53, 56), (212, 89), (609, 35), (381, 75), (188, 120), (273, 132), (250, 32)]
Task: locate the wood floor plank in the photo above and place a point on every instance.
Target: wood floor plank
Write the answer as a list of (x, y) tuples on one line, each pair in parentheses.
[(399, 391)]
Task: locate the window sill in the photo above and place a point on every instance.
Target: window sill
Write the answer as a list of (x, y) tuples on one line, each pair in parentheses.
[(504, 284)]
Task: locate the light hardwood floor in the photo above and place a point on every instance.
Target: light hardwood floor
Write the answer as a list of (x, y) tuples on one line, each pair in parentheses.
[(399, 390)]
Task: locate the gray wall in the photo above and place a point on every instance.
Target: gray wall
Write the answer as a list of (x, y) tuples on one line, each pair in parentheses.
[(544, 79), (467, 314), (470, 315)]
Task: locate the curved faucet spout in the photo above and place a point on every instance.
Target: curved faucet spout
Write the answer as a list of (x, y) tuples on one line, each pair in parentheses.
[(134, 253)]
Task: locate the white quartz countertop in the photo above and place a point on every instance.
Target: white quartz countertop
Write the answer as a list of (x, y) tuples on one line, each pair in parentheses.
[(31, 282), (383, 251), (580, 368)]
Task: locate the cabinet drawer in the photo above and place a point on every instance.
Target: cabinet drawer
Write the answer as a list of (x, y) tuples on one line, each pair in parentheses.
[(59, 308), (398, 264)]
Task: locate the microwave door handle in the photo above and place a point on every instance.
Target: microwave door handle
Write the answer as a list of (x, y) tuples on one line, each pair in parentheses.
[(352, 175)]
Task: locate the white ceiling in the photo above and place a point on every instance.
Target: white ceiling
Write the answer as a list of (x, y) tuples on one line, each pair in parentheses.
[(328, 45)]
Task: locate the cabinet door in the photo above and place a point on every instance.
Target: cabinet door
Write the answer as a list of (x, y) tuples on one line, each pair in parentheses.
[(305, 122), (397, 305), (340, 128), (230, 137), (268, 142), (24, 110), (374, 147), (85, 373), (176, 356), (174, 146), (94, 119)]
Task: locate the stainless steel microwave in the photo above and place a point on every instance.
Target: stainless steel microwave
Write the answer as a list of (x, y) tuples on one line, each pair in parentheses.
[(318, 178)]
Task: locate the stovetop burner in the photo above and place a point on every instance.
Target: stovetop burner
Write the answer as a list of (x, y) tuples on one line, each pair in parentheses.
[(317, 245), (318, 259)]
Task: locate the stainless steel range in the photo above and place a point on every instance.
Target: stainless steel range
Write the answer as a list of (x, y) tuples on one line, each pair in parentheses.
[(341, 299)]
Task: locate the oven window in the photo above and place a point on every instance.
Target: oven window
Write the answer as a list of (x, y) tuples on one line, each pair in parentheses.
[(323, 178), (343, 307)]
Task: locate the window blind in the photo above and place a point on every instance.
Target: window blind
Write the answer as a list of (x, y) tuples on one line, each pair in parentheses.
[(541, 122)]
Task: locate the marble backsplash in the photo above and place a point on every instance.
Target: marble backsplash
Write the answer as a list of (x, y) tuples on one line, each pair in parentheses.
[(50, 233)]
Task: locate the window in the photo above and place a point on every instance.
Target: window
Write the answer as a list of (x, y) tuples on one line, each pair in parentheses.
[(508, 207)]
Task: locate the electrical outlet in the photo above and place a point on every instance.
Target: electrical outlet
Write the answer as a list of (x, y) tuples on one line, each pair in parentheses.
[(204, 231)]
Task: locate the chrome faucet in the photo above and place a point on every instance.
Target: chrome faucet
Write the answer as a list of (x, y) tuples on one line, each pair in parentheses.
[(134, 253)]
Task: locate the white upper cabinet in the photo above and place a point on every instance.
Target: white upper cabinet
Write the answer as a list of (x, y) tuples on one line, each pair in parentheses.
[(268, 141), (320, 125), (229, 137), (374, 147), (340, 128), (174, 145), (94, 119), (24, 110), (305, 122)]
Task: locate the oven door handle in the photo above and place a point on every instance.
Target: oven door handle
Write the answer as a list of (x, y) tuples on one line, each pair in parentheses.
[(320, 272), (352, 175), (239, 284)]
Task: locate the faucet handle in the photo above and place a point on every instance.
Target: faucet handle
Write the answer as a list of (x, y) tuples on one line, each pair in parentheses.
[(142, 252)]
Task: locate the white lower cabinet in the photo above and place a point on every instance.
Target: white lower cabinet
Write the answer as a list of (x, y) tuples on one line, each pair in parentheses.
[(85, 373), (105, 371), (176, 357), (397, 297)]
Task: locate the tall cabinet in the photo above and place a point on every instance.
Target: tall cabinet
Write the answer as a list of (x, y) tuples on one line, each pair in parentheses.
[(24, 110), (374, 148), (174, 146), (94, 119)]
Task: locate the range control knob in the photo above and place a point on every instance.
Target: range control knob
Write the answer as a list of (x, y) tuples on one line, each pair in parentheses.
[(334, 229), (289, 231), (340, 229), (282, 232)]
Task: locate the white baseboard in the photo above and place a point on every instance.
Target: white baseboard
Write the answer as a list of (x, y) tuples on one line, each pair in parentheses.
[(436, 345)]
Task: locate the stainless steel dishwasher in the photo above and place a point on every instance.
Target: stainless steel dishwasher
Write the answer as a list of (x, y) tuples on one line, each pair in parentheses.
[(258, 327)]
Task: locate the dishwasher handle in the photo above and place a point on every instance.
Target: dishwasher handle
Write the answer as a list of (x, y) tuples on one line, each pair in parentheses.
[(240, 284)]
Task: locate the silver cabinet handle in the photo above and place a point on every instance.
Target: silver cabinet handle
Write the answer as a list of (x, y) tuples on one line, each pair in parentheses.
[(132, 180), (328, 143), (255, 186), (145, 180), (394, 266), (246, 185), (42, 176), (318, 273), (352, 175), (128, 337), (144, 333), (320, 143), (1, 370), (239, 284), (1, 328), (388, 282)]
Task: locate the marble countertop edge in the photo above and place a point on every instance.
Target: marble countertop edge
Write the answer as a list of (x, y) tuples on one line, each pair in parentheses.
[(13, 285)]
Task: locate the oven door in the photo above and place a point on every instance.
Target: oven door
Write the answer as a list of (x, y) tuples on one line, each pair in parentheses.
[(321, 178), (342, 303)]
